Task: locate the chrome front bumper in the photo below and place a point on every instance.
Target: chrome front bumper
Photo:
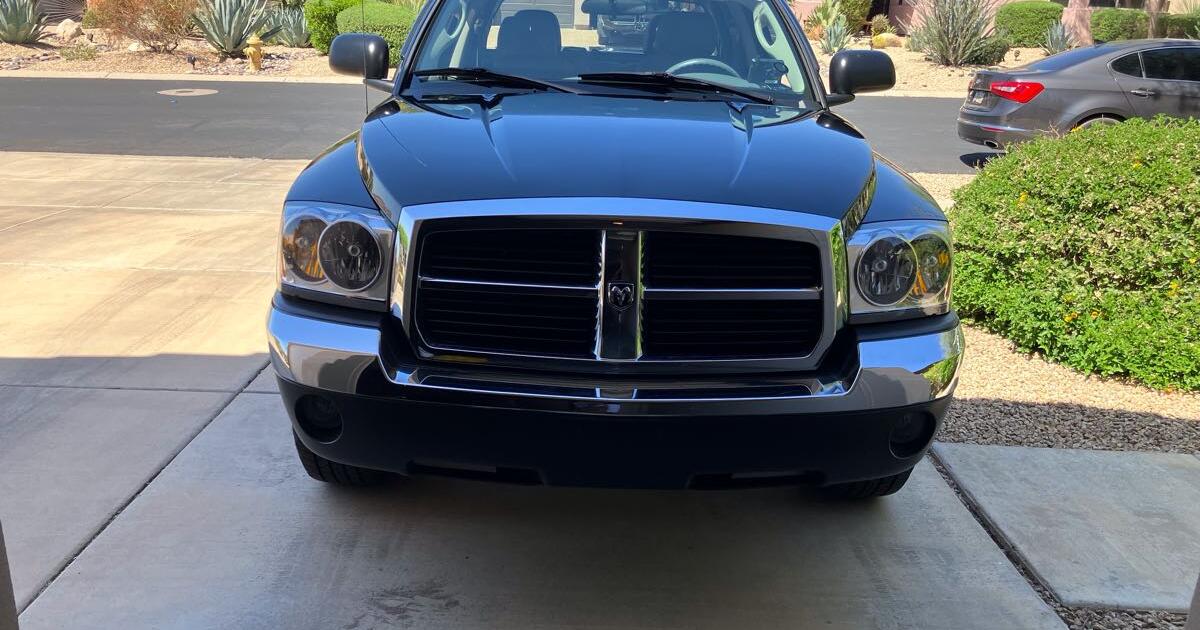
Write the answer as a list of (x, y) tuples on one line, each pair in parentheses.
[(889, 372)]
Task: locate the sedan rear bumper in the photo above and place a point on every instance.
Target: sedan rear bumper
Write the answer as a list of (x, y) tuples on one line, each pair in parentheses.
[(992, 135)]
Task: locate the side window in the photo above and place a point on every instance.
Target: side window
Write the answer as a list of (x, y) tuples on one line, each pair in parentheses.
[(1129, 64), (1178, 64)]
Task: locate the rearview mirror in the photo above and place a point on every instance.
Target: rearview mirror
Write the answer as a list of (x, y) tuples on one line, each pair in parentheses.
[(855, 71), (360, 55)]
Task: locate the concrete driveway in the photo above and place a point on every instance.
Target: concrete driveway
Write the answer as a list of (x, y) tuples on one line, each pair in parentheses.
[(147, 478)]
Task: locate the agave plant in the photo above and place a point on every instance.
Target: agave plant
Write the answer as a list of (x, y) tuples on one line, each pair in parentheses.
[(954, 32), (293, 29), (1057, 39), (227, 25), (20, 22), (824, 14), (836, 35)]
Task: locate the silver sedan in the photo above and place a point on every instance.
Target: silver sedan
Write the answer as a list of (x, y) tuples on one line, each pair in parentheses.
[(1098, 84)]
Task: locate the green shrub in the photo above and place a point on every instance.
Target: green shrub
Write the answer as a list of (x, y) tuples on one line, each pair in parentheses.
[(1026, 22), (1085, 248), (1182, 26), (991, 52), (321, 16), (91, 19), (20, 22), (880, 24), (1110, 25), (856, 13), (954, 32), (390, 21)]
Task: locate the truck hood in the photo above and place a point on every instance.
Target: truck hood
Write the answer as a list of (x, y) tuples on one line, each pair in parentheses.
[(564, 145)]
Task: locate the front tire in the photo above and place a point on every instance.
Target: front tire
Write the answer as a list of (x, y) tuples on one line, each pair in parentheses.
[(333, 472), (867, 489)]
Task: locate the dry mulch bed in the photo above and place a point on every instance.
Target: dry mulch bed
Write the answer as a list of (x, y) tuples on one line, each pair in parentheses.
[(115, 56)]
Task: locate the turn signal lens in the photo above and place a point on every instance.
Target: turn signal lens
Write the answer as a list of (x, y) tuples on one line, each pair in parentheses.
[(350, 255), (933, 265), (1019, 91), (886, 271), (300, 238)]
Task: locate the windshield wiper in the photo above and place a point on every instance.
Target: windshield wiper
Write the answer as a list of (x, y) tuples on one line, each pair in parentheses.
[(668, 80), (490, 76)]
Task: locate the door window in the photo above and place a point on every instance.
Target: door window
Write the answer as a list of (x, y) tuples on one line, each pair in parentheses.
[(1173, 64), (1129, 64)]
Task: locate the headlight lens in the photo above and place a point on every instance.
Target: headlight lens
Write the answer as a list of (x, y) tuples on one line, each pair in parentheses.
[(900, 269), (335, 253)]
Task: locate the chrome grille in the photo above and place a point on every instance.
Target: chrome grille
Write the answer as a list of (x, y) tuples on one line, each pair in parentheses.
[(618, 293)]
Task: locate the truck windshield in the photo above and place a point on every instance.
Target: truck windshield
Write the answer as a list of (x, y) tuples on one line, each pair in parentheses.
[(728, 47)]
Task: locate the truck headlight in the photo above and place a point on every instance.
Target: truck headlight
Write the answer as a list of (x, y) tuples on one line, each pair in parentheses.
[(899, 269), (335, 253)]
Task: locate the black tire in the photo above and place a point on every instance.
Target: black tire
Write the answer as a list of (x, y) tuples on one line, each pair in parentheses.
[(867, 489), (1098, 120), (322, 469)]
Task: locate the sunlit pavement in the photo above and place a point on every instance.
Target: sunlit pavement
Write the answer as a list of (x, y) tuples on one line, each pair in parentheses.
[(147, 478)]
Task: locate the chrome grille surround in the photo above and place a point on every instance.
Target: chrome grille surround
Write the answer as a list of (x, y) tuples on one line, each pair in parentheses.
[(623, 219)]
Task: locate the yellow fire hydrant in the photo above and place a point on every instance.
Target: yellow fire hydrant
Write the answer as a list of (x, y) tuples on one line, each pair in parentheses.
[(254, 52)]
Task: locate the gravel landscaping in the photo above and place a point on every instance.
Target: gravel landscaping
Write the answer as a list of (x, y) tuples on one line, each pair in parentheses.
[(1012, 398)]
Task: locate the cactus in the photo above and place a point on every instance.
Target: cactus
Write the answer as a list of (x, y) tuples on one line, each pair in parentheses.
[(836, 35), (293, 29), (1057, 39), (20, 22), (227, 25)]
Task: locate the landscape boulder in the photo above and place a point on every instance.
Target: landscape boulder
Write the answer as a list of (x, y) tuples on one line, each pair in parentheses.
[(68, 30)]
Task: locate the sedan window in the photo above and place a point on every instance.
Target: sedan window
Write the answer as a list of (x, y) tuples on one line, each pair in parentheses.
[(1129, 64), (1175, 64)]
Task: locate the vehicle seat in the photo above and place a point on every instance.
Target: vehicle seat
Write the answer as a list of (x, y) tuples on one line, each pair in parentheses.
[(530, 42), (674, 37)]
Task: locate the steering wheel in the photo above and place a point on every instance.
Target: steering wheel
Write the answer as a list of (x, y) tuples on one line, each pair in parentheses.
[(704, 61), (462, 20)]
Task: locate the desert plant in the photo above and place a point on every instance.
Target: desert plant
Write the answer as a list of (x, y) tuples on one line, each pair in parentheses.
[(954, 32), (1081, 248), (293, 29), (836, 36), (1025, 22), (20, 22), (321, 16), (992, 52), (390, 21), (1183, 25), (156, 24), (1057, 39), (856, 13), (1110, 25), (227, 25), (78, 52), (880, 24), (91, 19)]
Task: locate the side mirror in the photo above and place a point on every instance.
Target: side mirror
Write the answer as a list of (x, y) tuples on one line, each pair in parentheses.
[(359, 55), (855, 71)]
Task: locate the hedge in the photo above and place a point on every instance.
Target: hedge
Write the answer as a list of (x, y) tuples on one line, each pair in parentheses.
[(1182, 26), (1085, 248), (390, 21), (1025, 22), (992, 52), (1109, 25), (321, 16)]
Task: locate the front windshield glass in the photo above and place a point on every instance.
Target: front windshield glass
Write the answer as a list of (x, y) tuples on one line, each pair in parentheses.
[(740, 44)]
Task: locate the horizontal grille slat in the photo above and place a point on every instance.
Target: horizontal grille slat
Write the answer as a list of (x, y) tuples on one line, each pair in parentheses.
[(510, 291), (522, 256), (695, 260)]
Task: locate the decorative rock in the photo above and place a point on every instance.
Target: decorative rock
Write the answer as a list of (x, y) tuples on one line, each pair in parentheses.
[(136, 47), (68, 30), (886, 40)]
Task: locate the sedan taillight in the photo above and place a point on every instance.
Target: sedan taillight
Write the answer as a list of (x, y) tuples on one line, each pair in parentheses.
[(1019, 91)]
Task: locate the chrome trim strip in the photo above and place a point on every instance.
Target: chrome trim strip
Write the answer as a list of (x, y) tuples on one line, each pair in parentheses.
[(889, 373), (733, 294)]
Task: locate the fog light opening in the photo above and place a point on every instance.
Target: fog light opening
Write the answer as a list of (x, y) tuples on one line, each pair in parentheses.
[(319, 417), (911, 434)]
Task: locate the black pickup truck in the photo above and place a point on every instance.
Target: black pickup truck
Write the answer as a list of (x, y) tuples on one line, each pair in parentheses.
[(672, 266)]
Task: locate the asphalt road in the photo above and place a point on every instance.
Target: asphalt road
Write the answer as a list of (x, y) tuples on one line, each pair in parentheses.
[(294, 120)]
